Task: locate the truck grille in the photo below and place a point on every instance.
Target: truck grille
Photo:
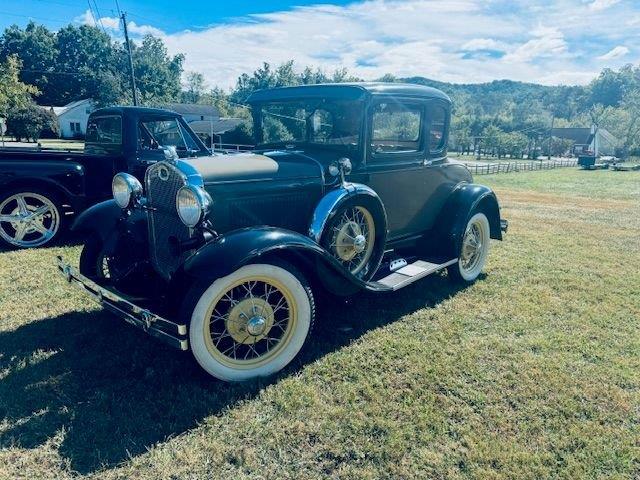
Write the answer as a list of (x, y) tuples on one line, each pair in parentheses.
[(163, 180)]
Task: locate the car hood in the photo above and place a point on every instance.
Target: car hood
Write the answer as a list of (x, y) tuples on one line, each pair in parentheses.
[(244, 167)]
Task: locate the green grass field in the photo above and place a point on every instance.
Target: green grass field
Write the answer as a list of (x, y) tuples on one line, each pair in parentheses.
[(532, 372)]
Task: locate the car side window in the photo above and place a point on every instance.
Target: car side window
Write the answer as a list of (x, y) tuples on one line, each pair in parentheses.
[(396, 128), (437, 129)]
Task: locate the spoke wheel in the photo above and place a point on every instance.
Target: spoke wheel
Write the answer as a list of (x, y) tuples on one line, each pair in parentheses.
[(353, 238), (28, 219), (251, 323), (474, 249)]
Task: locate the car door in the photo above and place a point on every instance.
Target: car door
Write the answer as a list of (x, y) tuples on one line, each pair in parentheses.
[(103, 151), (396, 162)]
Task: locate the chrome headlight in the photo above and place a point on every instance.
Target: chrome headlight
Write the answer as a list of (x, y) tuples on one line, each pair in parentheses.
[(193, 204), (126, 189)]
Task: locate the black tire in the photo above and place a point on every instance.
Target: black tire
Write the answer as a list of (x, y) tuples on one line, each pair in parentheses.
[(193, 304), (365, 269), (91, 258), (40, 195)]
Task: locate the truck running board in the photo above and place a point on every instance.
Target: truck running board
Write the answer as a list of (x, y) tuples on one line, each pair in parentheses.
[(408, 274)]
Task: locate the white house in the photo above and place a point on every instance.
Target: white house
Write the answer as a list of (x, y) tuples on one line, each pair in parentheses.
[(73, 117)]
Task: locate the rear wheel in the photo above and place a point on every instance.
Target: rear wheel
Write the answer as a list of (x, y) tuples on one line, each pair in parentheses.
[(29, 218), (251, 323), (474, 249)]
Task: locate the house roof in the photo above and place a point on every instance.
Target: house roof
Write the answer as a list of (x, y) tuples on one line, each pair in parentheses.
[(193, 109), (62, 110), (347, 91), (582, 136), (218, 126)]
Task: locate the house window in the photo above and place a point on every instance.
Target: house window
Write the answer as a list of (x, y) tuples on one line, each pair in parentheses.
[(75, 127), (396, 128)]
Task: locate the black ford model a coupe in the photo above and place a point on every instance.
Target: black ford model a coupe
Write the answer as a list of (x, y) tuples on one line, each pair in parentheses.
[(349, 189)]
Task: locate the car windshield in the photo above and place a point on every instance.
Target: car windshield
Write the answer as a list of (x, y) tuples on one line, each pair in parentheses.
[(320, 122)]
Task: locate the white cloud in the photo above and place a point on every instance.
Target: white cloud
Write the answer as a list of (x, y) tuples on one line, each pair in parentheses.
[(547, 42), (482, 44), (113, 24), (598, 5), (617, 52), (412, 37)]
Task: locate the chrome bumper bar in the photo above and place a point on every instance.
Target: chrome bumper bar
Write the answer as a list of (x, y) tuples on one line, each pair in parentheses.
[(169, 332)]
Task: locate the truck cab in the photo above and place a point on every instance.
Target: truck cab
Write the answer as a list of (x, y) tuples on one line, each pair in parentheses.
[(40, 190)]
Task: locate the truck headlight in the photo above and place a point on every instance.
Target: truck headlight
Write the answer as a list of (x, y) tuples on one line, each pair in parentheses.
[(192, 203), (126, 190)]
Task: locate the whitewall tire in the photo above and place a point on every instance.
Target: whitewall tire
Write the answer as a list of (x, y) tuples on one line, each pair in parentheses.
[(251, 323), (474, 250)]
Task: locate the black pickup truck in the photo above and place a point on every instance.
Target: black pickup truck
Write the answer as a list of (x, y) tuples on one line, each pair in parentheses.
[(41, 190)]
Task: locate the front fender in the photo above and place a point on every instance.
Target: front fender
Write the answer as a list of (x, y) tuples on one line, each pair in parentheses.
[(453, 217), (250, 245), (103, 219), (333, 200)]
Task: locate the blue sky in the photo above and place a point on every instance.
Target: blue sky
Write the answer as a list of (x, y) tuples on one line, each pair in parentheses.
[(544, 41)]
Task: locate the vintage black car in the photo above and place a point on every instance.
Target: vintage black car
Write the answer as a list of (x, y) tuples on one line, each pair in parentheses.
[(42, 190), (350, 189)]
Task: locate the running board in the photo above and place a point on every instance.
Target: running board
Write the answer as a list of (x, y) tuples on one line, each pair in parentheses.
[(408, 274)]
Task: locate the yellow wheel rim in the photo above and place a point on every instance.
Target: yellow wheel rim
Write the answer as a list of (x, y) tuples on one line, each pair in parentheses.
[(250, 322), (353, 238)]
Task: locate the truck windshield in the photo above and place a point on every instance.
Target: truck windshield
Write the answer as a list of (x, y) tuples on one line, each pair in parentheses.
[(320, 122), (167, 132)]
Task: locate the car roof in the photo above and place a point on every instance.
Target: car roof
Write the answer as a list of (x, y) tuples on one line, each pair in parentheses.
[(134, 111), (347, 91)]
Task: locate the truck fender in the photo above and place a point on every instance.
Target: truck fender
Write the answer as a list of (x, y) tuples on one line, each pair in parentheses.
[(104, 218), (235, 249), (453, 217)]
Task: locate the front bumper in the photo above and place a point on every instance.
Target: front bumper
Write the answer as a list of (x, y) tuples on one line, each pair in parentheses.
[(169, 332)]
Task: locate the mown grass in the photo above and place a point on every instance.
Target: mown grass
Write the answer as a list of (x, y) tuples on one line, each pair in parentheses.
[(533, 372)]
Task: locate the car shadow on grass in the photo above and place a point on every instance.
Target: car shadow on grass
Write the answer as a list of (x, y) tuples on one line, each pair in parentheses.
[(107, 392)]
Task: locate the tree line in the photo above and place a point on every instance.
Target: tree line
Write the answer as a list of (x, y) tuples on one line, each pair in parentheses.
[(503, 117)]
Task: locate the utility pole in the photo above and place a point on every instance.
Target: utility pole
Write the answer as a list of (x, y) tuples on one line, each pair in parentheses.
[(131, 71)]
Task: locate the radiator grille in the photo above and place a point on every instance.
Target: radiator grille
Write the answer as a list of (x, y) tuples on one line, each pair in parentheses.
[(163, 180)]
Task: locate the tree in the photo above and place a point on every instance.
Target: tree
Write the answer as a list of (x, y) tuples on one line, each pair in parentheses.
[(28, 121), (158, 75), (37, 49), (14, 94), (196, 87)]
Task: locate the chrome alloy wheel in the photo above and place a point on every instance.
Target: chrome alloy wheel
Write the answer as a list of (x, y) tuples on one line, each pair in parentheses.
[(251, 322), (353, 238), (473, 247), (28, 220)]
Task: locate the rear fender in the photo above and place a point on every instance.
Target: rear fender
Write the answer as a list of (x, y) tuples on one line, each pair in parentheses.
[(453, 217), (252, 245)]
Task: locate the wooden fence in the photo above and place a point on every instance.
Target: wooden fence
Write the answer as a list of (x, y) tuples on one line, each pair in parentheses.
[(522, 166)]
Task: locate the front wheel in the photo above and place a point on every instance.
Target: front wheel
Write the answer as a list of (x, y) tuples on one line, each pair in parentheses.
[(251, 323), (474, 249)]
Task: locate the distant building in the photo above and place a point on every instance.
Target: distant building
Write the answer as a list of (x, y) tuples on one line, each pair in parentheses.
[(205, 120), (596, 140), (73, 117)]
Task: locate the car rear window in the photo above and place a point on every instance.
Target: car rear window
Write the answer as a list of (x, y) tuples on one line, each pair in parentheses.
[(436, 132)]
